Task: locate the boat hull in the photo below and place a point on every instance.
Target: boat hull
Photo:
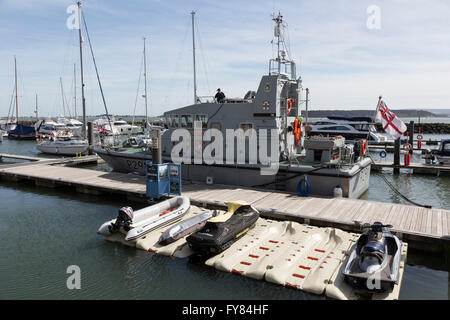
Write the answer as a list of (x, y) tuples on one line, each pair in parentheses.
[(62, 150), (216, 237), (151, 218), (184, 228), (14, 136), (354, 182)]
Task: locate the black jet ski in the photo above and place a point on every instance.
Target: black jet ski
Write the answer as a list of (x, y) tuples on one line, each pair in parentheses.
[(216, 236), (375, 260)]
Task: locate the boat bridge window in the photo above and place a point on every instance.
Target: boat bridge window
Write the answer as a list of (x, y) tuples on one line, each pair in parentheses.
[(203, 118), (186, 121), (247, 128), (360, 126), (323, 122), (172, 121), (340, 128), (216, 125)]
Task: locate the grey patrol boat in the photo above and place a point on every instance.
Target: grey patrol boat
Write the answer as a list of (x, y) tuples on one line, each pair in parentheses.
[(257, 141)]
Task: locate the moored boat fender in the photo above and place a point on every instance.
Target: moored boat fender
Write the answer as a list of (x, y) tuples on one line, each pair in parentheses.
[(304, 187), (218, 235)]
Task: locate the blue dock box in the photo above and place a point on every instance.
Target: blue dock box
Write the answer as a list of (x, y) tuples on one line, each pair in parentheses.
[(162, 179)]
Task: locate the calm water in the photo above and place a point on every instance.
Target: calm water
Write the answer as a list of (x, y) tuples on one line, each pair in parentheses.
[(43, 231)]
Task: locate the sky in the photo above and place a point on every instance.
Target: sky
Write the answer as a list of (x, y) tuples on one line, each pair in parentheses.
[(348, 52)]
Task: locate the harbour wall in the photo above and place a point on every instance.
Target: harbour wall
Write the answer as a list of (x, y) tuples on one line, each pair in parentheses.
[(429, 128)]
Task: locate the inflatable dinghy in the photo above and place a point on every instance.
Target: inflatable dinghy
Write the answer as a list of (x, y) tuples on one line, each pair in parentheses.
[(185, 227), (374, 262), (221, 232), (137, 224)]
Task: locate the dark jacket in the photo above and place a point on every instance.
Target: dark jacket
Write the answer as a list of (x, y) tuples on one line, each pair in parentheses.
[(220, 97)]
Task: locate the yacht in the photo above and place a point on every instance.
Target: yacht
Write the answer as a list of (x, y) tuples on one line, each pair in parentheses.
[(443, 153), (20, 131), (352, 128), (6, 125), (63, 146), (73, 125), (52, 128), (314, 166)]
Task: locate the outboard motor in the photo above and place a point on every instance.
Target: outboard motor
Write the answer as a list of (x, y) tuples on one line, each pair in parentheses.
[(357, 150), (429, 157), (124, 220), (374, 251)]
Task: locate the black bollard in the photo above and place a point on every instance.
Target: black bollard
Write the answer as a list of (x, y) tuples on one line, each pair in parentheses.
[(411, 136), (397, 156), (156, 147), (90, 137)]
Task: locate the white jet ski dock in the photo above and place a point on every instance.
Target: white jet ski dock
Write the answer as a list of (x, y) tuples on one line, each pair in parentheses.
[(286, 253)]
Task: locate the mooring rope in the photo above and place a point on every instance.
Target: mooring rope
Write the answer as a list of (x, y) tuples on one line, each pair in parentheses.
[(395, 189)]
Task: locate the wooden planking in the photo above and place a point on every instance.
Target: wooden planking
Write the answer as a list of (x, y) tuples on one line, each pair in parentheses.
[(431, 223), (444, 224)]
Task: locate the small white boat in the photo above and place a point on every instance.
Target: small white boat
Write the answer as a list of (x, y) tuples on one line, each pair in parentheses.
[(137, 224), (66, 147)]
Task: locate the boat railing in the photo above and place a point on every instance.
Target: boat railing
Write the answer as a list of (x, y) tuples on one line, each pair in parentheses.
[(205, 99)]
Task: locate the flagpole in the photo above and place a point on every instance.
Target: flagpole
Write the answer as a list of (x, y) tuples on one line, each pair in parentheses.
[(373, 119)]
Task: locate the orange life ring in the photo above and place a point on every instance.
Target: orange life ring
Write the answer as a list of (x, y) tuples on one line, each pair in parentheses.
[(290, 102), (419, 137), (364, 147), (407, 147)]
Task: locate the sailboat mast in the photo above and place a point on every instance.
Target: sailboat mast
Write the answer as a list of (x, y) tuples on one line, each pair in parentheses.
[(145, 85), (62, 96), (83, 101), (17, 102), (75, 90), (193, 57), (37, 114)]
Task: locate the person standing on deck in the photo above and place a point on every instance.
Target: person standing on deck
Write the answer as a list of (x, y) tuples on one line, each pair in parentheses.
[(220, 96)]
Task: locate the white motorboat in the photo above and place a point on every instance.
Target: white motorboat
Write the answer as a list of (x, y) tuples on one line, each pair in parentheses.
[(137, 224), (53, 128), (64, 147), (117, 126), (443, 154), (350, 127), (73, 125)]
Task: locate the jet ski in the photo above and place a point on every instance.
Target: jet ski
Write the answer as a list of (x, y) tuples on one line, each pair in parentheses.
[(221, 232), (375, 260), (185, 227), (136, 224)]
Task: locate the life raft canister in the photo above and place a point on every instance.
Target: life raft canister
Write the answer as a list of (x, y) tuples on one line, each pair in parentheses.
[(290, 102)]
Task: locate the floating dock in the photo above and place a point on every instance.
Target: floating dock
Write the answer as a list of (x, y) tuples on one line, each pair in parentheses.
[(286, 253), (426, 229), (438, 170)]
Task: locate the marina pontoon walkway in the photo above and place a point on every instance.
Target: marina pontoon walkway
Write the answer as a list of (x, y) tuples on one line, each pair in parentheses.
[(428, 229)]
